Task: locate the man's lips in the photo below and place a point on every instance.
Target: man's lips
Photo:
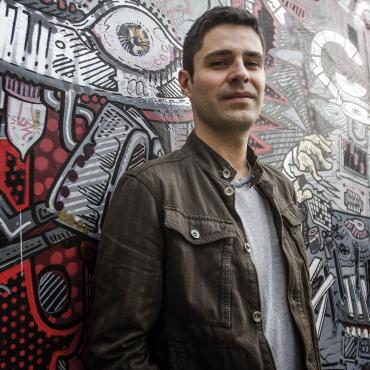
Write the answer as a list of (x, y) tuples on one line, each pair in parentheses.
[(239, 96)]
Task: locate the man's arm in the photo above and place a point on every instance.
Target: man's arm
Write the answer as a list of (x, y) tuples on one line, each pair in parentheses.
[(128, 280)]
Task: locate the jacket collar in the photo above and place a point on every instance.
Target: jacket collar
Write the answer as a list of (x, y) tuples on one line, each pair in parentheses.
[(212, 162)]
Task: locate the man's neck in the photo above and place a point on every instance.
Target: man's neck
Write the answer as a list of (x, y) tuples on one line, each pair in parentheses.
[(230, 146)]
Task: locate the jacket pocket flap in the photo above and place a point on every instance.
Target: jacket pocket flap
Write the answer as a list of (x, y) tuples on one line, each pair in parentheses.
[(199, 229), (293, 215)]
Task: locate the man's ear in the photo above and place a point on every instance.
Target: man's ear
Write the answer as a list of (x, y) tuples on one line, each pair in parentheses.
[(185, 82)]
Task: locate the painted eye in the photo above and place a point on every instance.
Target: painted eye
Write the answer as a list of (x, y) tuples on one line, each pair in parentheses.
[(136, 39)]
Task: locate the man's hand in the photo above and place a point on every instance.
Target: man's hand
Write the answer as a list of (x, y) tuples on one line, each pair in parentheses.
[(307, 157), (313, 146)]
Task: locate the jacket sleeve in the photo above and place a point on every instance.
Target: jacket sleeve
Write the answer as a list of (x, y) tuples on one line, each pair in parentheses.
[(127, 280)]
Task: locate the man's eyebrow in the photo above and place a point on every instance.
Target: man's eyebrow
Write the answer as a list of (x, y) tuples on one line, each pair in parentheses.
[(254, 54), (227, 52), (218, 53)]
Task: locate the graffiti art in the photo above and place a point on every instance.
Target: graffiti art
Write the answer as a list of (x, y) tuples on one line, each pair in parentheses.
[(88, 90)]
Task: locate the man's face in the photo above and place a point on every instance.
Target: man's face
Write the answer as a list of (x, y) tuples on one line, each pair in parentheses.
[(227, 87)]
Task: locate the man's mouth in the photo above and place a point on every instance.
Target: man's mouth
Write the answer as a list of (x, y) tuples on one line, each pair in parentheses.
[(239, 97)]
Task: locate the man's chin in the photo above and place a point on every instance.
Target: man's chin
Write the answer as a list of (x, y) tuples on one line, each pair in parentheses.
[(241, 122), (229, 122), (237, 127)]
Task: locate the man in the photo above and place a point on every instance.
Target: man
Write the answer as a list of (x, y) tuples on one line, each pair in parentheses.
[(201, 264)]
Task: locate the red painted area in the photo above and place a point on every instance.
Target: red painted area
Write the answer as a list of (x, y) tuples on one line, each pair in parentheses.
[(69, 258), (85, 98), (46, 145), (57, 258), (38, 188), (27, 333), (272, 94), (14, 176), (258, 145), (71, 252), (93, 101), (60, 155), (41, 163), (61, 4), (72, 268), (52, 121), (265, 123), (49, 157), (94, 98), (80, 128), (72, 8)]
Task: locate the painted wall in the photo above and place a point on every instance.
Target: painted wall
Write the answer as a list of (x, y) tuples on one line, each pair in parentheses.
[(88, 90)]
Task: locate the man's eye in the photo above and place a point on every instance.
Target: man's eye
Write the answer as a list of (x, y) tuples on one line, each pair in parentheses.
[(218, 63), (252, 64)]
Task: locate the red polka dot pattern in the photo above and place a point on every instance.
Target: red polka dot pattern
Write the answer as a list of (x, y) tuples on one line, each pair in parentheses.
[(22, 341), (15, 175), (69, 260), (49, 157)]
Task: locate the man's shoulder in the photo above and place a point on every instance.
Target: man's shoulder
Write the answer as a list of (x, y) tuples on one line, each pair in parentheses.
[(167, 162), (273, 173), (281, 182), (156, 175), (160, 174)]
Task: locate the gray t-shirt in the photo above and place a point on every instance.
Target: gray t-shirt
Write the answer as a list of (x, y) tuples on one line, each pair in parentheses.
[(267, 256)]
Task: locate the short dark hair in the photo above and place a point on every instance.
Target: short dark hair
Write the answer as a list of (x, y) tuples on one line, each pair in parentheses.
[(211, 18)]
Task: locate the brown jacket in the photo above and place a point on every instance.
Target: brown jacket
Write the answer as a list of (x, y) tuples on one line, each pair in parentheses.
[(175, 287)]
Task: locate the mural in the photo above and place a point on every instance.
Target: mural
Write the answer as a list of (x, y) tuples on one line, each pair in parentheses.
[(319, 65), (88, 90)]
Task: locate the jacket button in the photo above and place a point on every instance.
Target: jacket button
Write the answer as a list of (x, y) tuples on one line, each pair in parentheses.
[(226, 173), (247, 247), (195, 234), (296, 297), (229, 190), (257, 316)]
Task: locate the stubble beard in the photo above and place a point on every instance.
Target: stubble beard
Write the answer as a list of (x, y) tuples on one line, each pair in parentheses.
[(229, 122)]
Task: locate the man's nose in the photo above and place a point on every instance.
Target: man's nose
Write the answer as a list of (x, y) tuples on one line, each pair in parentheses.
[(239, 72)]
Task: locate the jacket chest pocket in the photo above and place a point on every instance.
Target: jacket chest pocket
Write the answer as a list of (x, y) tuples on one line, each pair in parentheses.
[(198, 279)]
